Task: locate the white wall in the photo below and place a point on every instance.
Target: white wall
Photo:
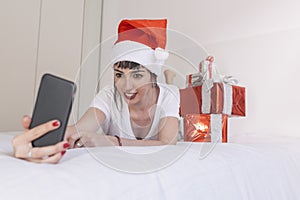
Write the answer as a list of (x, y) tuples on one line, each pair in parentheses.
[(39, 36), (257, 41), (87, 76), (18, 20)]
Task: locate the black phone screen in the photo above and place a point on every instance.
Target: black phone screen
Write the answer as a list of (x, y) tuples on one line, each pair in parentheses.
[(54, 101)]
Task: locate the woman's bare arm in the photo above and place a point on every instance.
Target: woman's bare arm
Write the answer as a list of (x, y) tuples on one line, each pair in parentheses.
[(168, 134)]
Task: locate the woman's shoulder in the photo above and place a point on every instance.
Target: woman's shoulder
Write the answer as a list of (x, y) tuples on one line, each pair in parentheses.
[(170, 91), (166, 88), (105, 95), (107, 91)]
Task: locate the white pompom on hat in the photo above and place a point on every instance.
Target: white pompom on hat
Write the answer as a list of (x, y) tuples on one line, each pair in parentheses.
[(142, 41)]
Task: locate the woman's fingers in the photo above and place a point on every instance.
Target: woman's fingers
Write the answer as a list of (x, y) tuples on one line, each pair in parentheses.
[(26, 122), (25, 150), (70, 131), (22, 143), (40, 130), (79, 143), (74, 139), (48, 151), (53, 159), (82, 140)]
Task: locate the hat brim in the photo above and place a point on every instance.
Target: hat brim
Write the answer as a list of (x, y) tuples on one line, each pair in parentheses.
[(139, 53)]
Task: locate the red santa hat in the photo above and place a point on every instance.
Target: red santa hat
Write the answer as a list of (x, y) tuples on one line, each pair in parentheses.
[(142, 41)]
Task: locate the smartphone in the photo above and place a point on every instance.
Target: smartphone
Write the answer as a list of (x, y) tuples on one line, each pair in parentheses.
[(54, 101)]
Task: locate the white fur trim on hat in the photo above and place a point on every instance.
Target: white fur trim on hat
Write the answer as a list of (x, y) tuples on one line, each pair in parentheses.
[(128, 50)]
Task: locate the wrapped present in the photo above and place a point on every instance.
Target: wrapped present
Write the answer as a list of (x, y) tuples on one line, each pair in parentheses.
[(207, 102), (221, 98), (205, 128), (210, 93), (207, 73)]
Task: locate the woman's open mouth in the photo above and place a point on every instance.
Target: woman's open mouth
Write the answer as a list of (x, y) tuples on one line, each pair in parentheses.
[(130, 96)]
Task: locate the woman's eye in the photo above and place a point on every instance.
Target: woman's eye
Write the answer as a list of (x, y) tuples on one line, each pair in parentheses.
[(137, 75), (118, 75)]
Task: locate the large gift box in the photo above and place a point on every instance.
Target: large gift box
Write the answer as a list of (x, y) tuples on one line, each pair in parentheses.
[(205, 128), (221, 98)]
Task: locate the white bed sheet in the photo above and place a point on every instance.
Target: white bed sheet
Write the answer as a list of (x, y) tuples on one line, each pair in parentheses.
[(249, 167)]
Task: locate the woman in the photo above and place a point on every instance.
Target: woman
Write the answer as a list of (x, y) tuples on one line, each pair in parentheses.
[(136, 111)]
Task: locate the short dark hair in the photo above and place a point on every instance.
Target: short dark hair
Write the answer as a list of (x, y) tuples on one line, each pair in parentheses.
[(127, 65)]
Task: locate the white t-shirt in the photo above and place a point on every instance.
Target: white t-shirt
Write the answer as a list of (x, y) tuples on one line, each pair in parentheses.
[(118, 119)]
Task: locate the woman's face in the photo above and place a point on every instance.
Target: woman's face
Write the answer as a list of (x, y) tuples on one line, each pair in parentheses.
[(133, 84)]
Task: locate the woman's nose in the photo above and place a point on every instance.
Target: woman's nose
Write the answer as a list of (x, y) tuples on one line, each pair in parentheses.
[(128, 84)]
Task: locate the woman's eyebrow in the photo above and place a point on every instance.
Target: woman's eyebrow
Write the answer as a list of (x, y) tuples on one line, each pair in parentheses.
[(134, 71), (138, 70), (119, 71)]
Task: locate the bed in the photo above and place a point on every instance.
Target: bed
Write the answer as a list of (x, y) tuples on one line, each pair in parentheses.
[(248, 167)]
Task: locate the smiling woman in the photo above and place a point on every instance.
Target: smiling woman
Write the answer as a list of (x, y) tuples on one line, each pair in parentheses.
[(136, 110)]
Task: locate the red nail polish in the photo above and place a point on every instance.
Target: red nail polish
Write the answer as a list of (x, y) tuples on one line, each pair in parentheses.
[(56, 123), (63, 153), (66, 145)]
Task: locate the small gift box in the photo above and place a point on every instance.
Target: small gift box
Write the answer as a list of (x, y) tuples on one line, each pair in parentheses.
[(221, 98), (207, 73), (205, 128)]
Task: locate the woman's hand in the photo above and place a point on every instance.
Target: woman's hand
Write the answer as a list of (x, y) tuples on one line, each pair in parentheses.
[(85, 139), (86, 128), (23, 147)]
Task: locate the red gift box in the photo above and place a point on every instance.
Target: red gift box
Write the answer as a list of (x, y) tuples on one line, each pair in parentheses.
[(205, 128), (221, 98)]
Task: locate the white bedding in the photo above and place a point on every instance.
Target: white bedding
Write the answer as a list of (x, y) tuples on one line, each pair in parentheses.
[(249, 167)]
